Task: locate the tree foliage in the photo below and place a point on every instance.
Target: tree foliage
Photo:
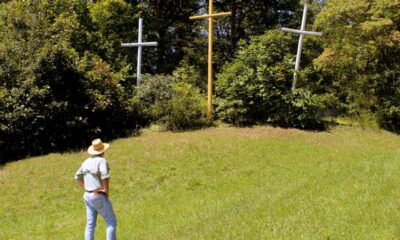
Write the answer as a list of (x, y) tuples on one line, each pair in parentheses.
[(53, 95), (361, 55), (65, 77), (255, 86), (175, 104)]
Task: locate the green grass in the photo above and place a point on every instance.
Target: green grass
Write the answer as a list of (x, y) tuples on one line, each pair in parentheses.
[(220, 183)]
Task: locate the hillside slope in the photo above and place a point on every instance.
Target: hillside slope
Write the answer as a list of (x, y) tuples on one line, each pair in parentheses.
[(218, 183)]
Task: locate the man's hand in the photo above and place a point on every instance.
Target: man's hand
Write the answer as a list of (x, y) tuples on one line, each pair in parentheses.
[(101, 191), (81, 183), (105, 188)]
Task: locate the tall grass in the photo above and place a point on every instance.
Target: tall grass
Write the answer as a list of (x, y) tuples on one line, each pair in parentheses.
[(222, 183)]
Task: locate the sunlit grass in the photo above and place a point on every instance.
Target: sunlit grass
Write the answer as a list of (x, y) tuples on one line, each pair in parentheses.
[(222, 183)]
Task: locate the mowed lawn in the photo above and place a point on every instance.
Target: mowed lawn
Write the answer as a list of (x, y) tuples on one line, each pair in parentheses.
[(218, 183)]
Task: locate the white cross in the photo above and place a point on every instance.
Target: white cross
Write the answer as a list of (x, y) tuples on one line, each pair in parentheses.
[(139, 44), (302, 32)]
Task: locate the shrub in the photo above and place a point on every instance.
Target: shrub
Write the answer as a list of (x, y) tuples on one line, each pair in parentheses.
[(388, 112), (299, 109), (186, 109), (190, 74), (255, 87), (251, 86), (176, 105), (56, 92), (153, 90), (389, 118), (67, 102)]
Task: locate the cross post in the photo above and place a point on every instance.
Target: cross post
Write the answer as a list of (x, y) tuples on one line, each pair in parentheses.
[(210, 16), (302, 32), (139, 45)]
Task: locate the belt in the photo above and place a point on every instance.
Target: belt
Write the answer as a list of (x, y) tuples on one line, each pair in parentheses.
[(99, 192)]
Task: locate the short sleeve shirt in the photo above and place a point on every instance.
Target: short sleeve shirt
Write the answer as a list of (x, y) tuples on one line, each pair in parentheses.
[(93, 170)]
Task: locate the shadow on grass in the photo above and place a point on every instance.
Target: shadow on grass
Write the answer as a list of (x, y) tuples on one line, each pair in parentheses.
[(177, 129), (41, 147), (325, 125)]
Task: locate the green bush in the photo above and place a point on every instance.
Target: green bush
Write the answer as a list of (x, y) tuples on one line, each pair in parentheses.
[(153, 90), (175, 105), (57, 93), (68, 102), (186, 109), (190, 74), (256, 86), (389, 117), (299, 109), (251, 86), (388, 109)]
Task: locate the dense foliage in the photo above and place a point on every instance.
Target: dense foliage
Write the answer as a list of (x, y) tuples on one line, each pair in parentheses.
[(255, 86), (56, 93), (361, 56), (174, 104), (64, 77)]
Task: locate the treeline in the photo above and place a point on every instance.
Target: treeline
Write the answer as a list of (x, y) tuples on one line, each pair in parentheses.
[(65, 78)]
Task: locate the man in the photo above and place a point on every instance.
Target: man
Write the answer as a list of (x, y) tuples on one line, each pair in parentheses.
[(93, 176)]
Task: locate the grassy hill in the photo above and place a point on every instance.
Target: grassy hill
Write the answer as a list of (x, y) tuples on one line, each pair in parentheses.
[(219, 183)]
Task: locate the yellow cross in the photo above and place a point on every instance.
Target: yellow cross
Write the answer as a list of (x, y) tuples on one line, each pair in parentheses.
[(210, 17)]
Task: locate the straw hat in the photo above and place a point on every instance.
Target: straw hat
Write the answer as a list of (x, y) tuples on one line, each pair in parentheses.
[(97, 147)]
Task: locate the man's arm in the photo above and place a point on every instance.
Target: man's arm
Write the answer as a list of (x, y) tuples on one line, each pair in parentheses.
[(81, 182), (106, 183), (105, 176), (79, 177)]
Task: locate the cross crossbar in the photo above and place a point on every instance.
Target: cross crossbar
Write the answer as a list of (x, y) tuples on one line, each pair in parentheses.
[(139, 45), (301, 32), (211, 15), (143, 44)]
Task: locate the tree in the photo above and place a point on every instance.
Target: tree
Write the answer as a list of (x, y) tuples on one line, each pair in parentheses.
[(110, 23), (253, 17), (248, 19), (255, 86), (53, 96), (166, 22), (361, 56)]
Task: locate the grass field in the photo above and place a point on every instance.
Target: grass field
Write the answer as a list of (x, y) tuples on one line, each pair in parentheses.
[(218, 183)]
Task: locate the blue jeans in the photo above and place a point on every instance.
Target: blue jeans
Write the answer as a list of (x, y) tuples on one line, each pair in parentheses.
[(98, 203)]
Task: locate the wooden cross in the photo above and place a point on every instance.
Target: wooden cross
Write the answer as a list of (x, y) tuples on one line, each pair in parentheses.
[(302, 32), (139, 44), (210, 17)]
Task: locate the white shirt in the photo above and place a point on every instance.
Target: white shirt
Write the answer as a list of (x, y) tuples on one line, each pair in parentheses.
[(93, 170)]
